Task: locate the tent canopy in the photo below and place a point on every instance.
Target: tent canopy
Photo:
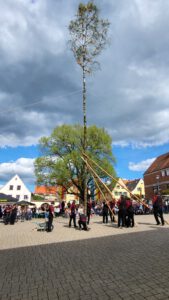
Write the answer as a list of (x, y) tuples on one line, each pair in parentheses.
[(6, 199), (23, 202)]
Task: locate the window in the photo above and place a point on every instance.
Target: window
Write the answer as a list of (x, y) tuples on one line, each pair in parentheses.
[(117, 186), (18, 187), (167, 172), (18, 196), (11, 187), (163, 173), (25, 197)]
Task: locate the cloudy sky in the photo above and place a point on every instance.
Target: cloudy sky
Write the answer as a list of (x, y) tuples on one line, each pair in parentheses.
[(40, 82)]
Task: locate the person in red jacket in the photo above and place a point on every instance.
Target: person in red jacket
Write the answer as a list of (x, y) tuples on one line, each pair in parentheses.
[(158, 208), (72, 214), (129, 213), (111, 210), (50, 210)]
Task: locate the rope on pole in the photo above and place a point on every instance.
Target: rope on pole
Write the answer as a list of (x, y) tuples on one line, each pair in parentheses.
[(137, 198)]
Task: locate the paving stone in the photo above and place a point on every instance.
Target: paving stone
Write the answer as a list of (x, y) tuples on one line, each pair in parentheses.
[(104, 263)]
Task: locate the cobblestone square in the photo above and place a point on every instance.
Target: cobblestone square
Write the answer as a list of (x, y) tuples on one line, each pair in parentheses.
[(103, 263)]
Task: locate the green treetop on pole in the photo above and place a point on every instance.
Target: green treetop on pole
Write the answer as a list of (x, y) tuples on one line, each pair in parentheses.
[(88, 38)]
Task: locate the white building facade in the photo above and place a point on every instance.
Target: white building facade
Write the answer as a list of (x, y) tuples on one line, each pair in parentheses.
[(17, 189)]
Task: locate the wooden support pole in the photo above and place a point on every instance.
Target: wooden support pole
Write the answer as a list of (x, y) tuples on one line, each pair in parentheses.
[(96, 175), (111, 210), (137, 199)]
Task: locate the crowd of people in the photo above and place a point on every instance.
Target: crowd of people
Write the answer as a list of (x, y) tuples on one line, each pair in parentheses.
[(107, 209), (124, 207), (12, 213)]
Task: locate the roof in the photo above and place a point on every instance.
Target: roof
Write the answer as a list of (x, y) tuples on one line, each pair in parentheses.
[(46, 190), (125, 181), (12, 180), (131, 184), (160, 163)]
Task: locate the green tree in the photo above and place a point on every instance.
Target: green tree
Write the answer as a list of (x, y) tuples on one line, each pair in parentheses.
[(61, 164), (88, 38)]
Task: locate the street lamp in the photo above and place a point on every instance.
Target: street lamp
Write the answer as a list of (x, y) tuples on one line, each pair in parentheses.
[(157, 178)]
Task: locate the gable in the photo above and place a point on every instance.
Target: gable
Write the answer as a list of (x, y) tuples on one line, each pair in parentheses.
[(131, 185), (15, 181)]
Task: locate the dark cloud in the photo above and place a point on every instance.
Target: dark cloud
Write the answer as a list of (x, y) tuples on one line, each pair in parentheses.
[(40, 82)]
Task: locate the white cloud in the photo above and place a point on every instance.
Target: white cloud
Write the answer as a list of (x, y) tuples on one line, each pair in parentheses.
[(24, 167), (141, 166)]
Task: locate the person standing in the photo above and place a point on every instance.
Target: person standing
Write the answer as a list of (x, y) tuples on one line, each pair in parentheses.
[(129, 213), (158, 208), (89, 207), (7, 212), (111, 210), (63, 207), (73, 214), (122, 211), (13, 214), (50, 210), (105, 212)]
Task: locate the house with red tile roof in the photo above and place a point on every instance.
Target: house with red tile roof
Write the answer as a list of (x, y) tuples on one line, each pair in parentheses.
[(156, 177), (136, 187), (55, 193)]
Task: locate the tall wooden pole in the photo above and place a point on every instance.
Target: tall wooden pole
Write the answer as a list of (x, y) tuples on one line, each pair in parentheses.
[(84, 135)]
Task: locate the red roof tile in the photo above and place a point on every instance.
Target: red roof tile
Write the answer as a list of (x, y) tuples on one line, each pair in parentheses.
[(46, 190), (160, 163)]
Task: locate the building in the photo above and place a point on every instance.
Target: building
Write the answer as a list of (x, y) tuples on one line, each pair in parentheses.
[(48, 194), (17, 189), (119, 189), (53, 194), (126, 188), (156, 177), (136, 187)]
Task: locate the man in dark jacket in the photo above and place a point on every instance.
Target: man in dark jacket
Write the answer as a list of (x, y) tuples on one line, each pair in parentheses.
[(72, 214), (105, 212), (50, 209), (89, 207), (13, 214), (158, 208), (122, 211)]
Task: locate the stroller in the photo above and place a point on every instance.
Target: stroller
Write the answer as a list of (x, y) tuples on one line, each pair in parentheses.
[(43, 226)]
